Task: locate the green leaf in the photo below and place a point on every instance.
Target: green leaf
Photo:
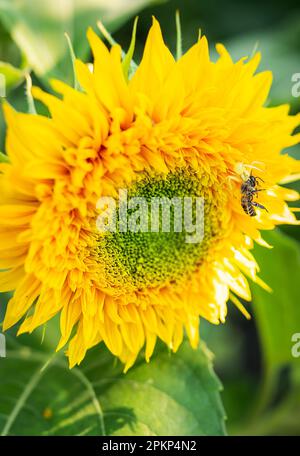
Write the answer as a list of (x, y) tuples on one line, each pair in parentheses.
[(128, 64), (76, 84), (38, 28), (278, 313), (10, 77), (3, 158), (172, 395)]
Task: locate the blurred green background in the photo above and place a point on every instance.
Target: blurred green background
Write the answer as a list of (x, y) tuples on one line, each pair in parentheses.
[(260, 377)]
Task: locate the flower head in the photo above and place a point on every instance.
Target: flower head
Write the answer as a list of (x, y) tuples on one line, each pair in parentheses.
[(187, 128)]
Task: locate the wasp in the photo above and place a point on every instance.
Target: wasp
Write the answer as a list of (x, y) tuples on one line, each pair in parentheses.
[(248, 191)]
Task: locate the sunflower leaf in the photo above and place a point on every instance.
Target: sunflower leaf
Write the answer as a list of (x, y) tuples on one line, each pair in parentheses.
[(173, 395), (278, 314), (11, 77), (3, 158), (73, 58), (129, 66), (106, 34)]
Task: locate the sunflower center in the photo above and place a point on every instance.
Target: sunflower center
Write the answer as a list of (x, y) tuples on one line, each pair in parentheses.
[(169, 238)]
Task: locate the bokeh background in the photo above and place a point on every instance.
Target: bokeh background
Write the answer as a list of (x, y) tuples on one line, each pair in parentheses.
[(253, 359)]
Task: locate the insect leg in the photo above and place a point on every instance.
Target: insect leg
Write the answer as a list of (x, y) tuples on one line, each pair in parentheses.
[(258, 179), (259, 205), (258, 190)]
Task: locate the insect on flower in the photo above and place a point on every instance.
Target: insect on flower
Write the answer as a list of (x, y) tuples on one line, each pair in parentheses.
[(249, 190)]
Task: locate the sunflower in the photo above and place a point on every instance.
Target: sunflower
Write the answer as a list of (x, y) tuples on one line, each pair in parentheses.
[(188, 127)]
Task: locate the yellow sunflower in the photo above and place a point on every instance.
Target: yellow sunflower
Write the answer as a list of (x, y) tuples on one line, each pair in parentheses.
[(175, 128)]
